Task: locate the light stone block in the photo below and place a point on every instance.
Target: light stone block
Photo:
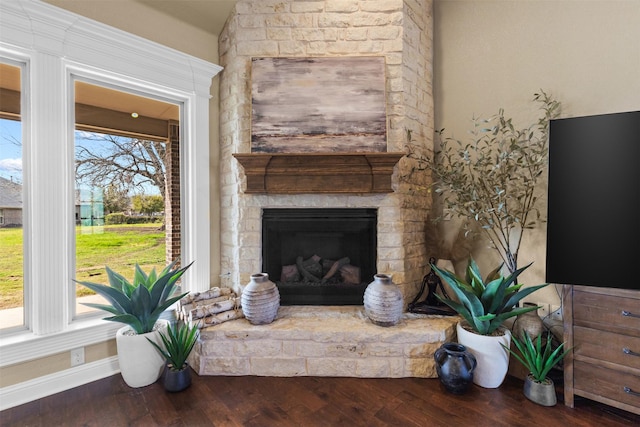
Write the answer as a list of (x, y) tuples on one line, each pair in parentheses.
[(331, 367), (278, 366)]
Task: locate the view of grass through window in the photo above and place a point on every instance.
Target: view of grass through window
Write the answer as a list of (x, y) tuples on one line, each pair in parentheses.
[(119, 210)]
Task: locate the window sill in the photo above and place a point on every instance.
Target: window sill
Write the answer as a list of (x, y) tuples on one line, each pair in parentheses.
[(25, 345)]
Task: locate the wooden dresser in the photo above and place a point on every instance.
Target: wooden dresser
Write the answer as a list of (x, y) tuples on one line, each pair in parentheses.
[(603, 328)]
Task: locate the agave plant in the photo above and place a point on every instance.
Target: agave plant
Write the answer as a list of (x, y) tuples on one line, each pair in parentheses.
[(486, 304), (537, 360), (178, 343), (140, 304)]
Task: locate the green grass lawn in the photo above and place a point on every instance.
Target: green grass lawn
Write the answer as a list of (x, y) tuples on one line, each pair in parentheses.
[(118, 246)]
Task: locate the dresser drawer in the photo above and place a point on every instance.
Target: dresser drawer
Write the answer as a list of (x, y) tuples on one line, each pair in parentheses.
[(614, 313), (608, 346), (607, 383)]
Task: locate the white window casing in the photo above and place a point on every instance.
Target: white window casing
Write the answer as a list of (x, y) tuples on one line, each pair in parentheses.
[(57, 46)]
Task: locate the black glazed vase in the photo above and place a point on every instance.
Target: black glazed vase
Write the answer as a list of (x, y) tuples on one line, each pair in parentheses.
[(455, 365)]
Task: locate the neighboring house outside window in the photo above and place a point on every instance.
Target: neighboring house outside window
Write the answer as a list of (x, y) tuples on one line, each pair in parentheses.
[(10, 203)]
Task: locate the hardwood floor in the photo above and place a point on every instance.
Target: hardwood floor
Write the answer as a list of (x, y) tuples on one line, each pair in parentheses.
[(304, 401)]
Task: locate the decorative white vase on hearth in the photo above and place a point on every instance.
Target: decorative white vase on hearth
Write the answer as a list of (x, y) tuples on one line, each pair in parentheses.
[(383, 302), (260, 300)]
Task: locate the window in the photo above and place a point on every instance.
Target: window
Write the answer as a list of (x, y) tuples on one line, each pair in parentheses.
[(11, 196), (90, 51), (126, 194)]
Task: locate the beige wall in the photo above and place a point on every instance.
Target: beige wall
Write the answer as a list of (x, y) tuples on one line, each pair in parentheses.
[(497, 53)]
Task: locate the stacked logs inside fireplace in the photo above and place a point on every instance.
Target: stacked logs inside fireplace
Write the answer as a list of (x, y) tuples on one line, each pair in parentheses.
[(212, 307), (319, 271)]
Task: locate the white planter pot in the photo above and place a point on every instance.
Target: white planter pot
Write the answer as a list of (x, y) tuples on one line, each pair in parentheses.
[(140, 362), (493, 360)]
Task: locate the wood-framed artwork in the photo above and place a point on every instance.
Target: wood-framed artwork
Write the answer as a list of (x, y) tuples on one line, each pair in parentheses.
[(318, 105)]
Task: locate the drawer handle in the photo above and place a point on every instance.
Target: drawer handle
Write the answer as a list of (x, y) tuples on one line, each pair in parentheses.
[(631, 392), (628, 351), (629, 314)]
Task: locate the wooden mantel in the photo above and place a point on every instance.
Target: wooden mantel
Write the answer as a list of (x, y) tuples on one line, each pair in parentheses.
[(291, 173)]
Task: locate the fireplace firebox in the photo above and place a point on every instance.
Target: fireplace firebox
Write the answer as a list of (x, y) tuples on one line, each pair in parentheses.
[(320, 256)]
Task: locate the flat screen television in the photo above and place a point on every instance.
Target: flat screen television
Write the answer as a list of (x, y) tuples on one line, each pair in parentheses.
[(593, 229)]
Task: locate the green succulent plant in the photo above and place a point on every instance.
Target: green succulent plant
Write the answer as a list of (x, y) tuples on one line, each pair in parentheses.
[(178, 343), (486, 304), (537, 360), (140, 304)]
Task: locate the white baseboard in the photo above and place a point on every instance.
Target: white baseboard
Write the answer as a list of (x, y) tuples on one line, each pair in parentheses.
[(47, 385)]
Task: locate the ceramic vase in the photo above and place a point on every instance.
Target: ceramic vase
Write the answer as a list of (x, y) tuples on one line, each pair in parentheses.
[(543, 393), (176, 380), (528, 323), (383, 303), (492, 358), (455, 366), (140, 362), (260, 300)]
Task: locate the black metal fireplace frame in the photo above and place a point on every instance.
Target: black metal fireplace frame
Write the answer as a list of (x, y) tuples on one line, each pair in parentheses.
[(357, 227)]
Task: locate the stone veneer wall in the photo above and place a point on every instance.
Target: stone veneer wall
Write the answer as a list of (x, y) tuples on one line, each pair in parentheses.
[(401, 30)]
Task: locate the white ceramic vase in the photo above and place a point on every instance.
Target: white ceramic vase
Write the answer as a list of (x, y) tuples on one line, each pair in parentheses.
[(260, 300), (492, 358), (383, 303), (140, 362)]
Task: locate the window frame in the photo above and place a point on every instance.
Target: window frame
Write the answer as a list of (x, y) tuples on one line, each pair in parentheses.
[(55, 45)]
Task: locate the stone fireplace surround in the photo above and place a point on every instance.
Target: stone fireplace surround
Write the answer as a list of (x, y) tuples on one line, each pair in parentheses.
[(312, 340)]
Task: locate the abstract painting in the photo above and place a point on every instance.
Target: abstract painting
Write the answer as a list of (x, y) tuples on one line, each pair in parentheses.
[(311, 105)]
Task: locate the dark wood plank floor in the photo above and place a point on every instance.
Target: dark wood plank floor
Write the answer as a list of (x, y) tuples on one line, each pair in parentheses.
[(304, 401)]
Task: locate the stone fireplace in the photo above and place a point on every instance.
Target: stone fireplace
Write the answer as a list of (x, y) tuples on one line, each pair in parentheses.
[(321, 339), (399, 30)]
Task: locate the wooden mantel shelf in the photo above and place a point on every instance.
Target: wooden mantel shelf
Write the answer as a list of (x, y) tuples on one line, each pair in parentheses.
[(289, 173)]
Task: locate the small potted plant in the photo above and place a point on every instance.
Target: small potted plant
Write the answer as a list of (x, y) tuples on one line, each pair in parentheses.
[(539, 360), (139, 306), (177, 344), (485, 305)]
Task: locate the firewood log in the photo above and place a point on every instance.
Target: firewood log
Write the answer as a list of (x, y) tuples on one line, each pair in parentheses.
[(211, 293), (210, 309), (309, 268), (216, 319), (289, 273), (335, 267), (350, 274)]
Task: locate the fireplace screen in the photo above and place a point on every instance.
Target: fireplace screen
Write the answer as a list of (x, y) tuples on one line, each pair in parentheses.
[(319, 256)]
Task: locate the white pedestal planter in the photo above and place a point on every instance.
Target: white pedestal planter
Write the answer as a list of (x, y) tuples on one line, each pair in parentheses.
[(493, 360), (140, 363)]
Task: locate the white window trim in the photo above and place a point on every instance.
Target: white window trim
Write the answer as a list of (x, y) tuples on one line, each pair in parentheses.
[(56, 43)]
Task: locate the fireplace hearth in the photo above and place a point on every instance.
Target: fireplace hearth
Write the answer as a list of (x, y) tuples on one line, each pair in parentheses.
[(320, 256)]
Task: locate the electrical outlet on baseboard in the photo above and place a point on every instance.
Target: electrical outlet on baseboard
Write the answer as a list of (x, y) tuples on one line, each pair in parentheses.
[(555, 312), (77, 356), (544, 309)]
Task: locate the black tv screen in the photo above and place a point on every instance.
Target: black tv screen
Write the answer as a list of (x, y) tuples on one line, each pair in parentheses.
[(593, 229)]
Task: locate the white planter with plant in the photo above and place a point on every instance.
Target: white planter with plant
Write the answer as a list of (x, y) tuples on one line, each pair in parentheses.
[(139, 306), (485, 305)]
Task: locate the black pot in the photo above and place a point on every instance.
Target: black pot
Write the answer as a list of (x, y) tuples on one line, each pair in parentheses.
[(455, 365), (176, 380)]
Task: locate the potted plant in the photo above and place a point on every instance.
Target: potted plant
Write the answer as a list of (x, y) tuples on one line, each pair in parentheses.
[(491, 180), (177, 344), (539, 360), (485, 305), (139, 306)]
